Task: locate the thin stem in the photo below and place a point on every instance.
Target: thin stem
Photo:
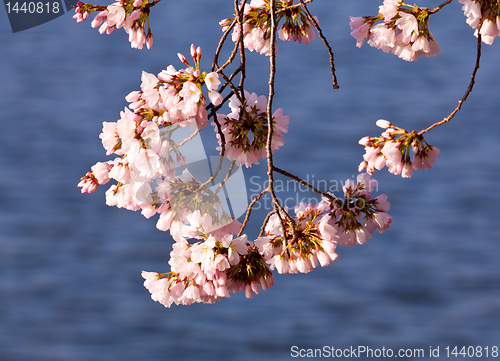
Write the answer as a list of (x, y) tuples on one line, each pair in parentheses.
[(249, 211), (272, 74), (303, 182), (242, 52), (293, 6), (195, 133), (263, 228), (214, 175), (229, 171), (469, 89), (435, 10), (330, 52), (219, 48)]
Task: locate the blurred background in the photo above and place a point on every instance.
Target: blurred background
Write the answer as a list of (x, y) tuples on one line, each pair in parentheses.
[(70, 266)]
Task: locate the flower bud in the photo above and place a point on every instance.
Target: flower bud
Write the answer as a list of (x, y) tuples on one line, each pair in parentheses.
[(383, 123), (182, 58), (364, 141)]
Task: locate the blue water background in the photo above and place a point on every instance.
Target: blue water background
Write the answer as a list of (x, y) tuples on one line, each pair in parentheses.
[(70, 283)]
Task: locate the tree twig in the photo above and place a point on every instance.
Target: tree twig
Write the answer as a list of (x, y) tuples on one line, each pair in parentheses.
[(249, 210), (436, 9), (330, 52), (464, 98)]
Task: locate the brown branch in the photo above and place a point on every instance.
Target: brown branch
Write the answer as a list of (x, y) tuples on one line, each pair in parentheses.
[(195, 133), (291, 7), (229, 171), (272, 74), (263, 228), (303, 182), (249, 210), (435, 10), (469, 89), (330, 52), (241, 86), (219, 48)]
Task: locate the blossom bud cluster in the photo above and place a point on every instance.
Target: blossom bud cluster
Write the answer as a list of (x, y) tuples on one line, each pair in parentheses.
[(403, 31), (209, 270), (316, 230), (392, 149), (245, 129), (257, 25), (131, 15), (314, 242), (484, 16), (143, 138), (358, 216)]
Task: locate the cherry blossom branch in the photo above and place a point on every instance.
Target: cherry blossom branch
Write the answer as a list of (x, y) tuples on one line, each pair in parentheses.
[(249, 210), (228, 82), (330, 52), (229, 172), (219, 48), (195, 133), (263, 228), (242, 51), (294, 6), (435, 10), (239, 92), (469, 90), (303, 182), (272, 74)]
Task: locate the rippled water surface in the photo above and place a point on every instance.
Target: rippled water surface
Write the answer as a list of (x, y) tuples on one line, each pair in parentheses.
[(70, 284)]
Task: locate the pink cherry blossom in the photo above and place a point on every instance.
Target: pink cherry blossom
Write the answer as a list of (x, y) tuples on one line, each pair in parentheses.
[(389, 9)]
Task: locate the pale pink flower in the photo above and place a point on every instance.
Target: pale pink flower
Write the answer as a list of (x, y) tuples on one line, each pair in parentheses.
[(215, 97), (389, 9), (101, 172), (404, 51), (190, 93), (382, 37), (236, 247), (362, 235), (409, 27), (360, 29), (88, 183), (407, 170), (488, 31), (116, 15), (212, 81), (472, 9), (134, 15), (99, 18), (109, 137), (381, 203), (393, 157)]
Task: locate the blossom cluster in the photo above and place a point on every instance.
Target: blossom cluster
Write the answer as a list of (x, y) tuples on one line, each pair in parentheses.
[(220, 264), (209, 270), (314, 241), (312, 236), (403, 31), (392, 149), (131, 15), (484, 16), (143, 137), (257, 25), (245, 129), (358, 216)]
